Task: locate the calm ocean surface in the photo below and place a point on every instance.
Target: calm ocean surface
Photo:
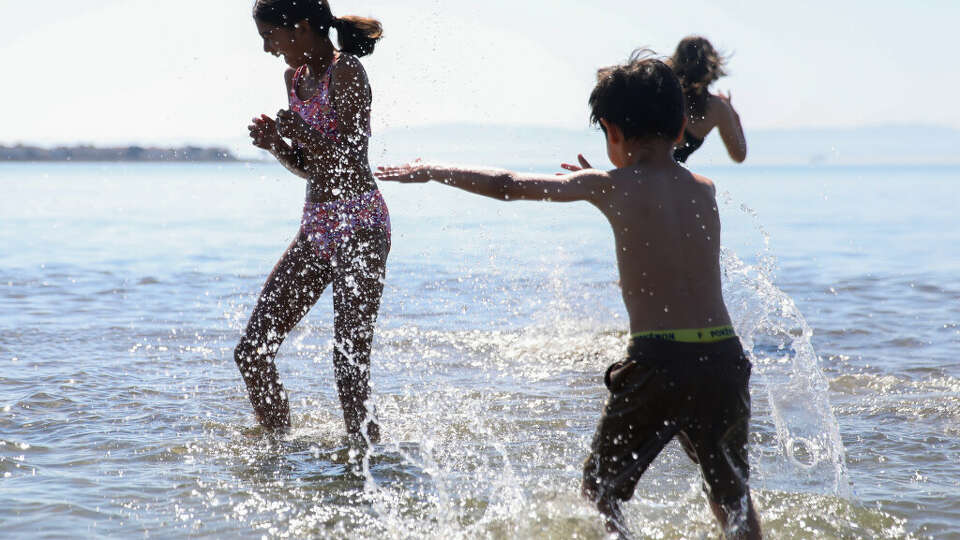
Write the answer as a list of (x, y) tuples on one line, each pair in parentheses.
[(123, 289)]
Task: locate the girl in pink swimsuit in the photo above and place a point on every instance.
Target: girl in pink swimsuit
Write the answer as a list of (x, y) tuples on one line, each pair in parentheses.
[(344, 238)]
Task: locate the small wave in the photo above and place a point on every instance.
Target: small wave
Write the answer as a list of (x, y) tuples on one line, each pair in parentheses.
[(844, 332), (45, 400), (113, 292), (904, 343), (886, 384), (863, 383)]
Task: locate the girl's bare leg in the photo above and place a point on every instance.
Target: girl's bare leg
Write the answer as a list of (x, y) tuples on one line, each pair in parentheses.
[(357, 288), (292, 288)]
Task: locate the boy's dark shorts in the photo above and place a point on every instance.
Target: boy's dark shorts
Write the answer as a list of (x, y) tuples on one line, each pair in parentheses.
[(698, 392)]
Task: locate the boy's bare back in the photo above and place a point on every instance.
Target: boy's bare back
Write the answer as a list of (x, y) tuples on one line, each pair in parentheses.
[(667, 232)]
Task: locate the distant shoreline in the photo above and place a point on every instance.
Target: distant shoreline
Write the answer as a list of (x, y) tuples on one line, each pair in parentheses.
[(126, 154)]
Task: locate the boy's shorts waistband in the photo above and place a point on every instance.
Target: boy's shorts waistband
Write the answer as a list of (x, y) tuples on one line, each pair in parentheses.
[(689, 335)]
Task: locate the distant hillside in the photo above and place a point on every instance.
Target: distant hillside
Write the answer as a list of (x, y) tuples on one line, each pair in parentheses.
[(120, 153), (544, 148)]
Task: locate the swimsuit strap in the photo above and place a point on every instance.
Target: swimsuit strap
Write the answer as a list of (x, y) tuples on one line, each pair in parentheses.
[(295, 83), (328, 76), (333, 63), (317, 110), (326, 82), (687, 146), (691, 137)]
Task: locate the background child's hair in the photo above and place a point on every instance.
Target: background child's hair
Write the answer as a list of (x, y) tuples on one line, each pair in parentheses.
[(643, 98), (698, 65), (357, 35)]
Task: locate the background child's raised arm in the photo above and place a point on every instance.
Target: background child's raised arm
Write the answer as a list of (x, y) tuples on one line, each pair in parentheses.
[(731, 131)]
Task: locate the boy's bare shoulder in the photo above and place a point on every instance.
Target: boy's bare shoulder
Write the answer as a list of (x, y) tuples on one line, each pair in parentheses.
[(588, 177), (593, 184), (593, 175), (705, 182)]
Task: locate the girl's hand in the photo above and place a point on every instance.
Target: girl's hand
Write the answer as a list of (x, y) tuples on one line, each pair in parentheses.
[(726, 97), (264, 133), (410, 173), (584, 164), (291, 125)]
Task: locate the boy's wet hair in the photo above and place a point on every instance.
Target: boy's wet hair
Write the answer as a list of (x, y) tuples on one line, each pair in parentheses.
[(643, 98), (357, 35)]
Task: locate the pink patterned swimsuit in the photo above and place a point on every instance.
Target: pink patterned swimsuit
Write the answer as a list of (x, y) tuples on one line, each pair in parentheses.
[(329, 224), (317, 111)]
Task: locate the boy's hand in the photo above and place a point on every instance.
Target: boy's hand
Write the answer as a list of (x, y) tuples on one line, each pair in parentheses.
[(584, 164), (415, 172), (264, 133)]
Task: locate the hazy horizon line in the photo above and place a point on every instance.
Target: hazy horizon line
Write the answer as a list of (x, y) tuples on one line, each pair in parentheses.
[(208, 141)]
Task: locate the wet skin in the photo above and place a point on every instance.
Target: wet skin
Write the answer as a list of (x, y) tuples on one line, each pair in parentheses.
[(334, 170), (720, 114)]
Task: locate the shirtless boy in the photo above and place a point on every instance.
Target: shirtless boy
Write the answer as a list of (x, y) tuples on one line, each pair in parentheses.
[(685, 374)]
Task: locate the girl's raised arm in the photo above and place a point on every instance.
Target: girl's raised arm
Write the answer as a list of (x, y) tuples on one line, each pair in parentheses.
[(728, 122)]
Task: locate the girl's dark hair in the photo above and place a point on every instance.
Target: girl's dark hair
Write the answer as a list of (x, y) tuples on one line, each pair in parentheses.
[(697, 65), (357, 35)]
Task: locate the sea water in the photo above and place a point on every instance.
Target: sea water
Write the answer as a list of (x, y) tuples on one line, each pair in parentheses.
[(124, 288)]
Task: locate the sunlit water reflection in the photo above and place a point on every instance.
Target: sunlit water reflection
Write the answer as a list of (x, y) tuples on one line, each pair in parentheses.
[(124, 289)]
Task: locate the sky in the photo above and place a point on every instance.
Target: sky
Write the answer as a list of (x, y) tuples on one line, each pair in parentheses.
[(148, 71)]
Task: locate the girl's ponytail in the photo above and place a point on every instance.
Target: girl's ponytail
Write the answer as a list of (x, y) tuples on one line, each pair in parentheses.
[(357, 35)]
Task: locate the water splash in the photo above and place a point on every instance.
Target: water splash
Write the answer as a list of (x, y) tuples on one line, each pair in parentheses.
[(806, 445), (488, 426)]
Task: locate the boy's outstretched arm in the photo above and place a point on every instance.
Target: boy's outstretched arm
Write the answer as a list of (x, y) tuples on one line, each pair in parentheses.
[(586, 185)]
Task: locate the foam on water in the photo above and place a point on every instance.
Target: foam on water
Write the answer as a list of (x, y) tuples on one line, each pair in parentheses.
[(487, 430)]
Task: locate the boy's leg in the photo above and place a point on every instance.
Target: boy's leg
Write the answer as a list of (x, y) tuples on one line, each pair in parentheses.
[(748, 527), (357, 287), (725, 483), (633, 430), (292, 288), (716, 439)]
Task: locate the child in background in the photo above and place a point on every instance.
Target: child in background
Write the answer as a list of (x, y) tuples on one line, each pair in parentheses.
[(685, 374), (344, 237), (698, 65)]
